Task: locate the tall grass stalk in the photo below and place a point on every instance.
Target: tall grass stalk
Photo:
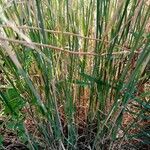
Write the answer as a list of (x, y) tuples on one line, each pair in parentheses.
[(74, 67)]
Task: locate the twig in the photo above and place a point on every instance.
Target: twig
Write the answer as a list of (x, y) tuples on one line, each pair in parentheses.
[(61, 49), (65, 33)]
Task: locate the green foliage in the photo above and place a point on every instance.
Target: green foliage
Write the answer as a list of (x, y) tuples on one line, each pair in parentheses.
[(1, 140), (75, 67), (14, 100)]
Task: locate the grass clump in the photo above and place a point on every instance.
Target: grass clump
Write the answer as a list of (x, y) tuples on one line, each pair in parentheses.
[(73, 72)]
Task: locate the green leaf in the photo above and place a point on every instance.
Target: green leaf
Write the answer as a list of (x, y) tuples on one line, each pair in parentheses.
[(88, 77), (1, 139), (15, 100)]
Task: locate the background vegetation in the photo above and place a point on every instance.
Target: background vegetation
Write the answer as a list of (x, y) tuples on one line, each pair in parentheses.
[(74, 73)]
